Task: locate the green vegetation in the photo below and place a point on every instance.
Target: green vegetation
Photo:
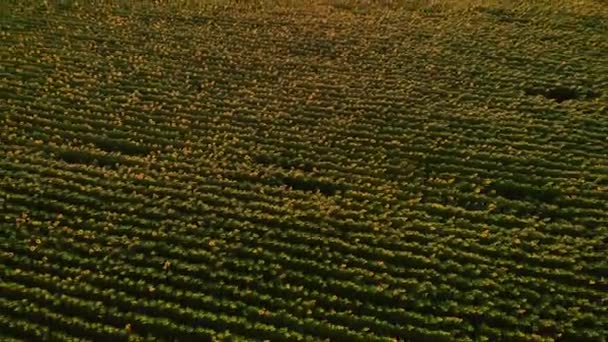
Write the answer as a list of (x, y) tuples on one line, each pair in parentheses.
[(416, 171)]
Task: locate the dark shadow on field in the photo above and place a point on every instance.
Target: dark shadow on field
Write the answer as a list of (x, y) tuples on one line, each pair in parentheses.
[(561, 93)]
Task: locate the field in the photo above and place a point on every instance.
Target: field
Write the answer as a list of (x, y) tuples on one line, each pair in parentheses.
[(404, 171)]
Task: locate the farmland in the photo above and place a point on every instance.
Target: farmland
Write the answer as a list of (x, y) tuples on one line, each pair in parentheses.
[(303, 174)]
